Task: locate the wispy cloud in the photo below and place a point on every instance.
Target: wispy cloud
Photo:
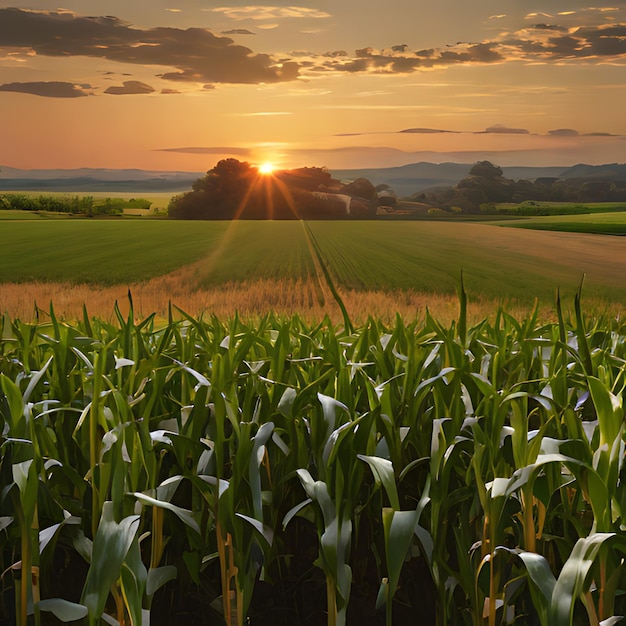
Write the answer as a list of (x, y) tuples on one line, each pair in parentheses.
[(269, 12), (425, 131), (237, 31), (264, 113), (51, 89), (495, 129), (208, 150), (194, 54)]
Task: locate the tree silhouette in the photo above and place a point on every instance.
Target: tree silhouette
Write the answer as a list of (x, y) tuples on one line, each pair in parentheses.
[(237, 190)]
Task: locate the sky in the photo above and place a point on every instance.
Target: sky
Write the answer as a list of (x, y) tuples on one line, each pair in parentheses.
[(180, 84)]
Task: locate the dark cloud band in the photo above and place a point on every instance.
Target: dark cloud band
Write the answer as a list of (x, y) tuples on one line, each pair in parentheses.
[(195, 54), (51, 89)]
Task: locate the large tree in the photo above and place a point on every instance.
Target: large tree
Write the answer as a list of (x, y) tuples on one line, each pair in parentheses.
[(237, 190)]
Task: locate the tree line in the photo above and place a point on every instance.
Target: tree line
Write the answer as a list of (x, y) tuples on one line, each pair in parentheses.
[(75, 205)]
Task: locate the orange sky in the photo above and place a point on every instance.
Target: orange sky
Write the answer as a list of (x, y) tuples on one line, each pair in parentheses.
[(180, 84)]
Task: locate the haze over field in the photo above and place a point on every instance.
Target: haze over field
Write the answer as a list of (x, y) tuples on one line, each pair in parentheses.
[(179, 84)]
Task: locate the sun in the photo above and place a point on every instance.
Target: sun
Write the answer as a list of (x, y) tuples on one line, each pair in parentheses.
[(266, 168)]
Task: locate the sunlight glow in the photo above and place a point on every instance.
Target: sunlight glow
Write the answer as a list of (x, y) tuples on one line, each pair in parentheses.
[(266, 168)]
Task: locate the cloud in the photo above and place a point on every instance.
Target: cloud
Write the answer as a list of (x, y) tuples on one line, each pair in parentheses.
[(531, 16), (196, 55), (564, 132), (238, 31), (553, 27), (541, 42), (400, 59), (51, 89), (269, 12), (264, 113), (130, 87), (208, 150), (426, 131), (504, 130), (193, 54)]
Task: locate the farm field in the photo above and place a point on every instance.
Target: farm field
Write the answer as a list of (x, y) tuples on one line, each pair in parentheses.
[(558, 208), (12, 214), (277, 262), (100, 252), (602, 223)]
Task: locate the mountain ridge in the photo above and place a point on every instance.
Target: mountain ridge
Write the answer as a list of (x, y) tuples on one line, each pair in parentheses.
[(405, 180)]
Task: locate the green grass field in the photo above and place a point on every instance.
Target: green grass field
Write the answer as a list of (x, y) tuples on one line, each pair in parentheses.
[(101, 251), (559, 208), (20, 215), (603, 223), (422, 256)]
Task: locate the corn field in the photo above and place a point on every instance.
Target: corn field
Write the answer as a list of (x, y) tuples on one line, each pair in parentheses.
[(200, 471)]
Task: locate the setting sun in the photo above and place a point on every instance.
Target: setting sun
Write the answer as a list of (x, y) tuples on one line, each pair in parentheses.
[(266, 168)]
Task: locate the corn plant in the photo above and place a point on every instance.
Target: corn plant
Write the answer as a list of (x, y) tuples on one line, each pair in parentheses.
[(491, 455)]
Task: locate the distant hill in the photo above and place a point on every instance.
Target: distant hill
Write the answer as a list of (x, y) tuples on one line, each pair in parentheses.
[(405, 180), (95, 179), (409, 179), (612, 171)]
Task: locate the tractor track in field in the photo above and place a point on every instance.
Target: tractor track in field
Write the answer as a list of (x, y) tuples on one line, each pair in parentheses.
[(321, 286), (324, 278)]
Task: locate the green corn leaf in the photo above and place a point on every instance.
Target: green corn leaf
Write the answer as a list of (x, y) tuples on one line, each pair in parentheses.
[(134, 577), (399, 528), (608, 408), (15, 418), (184, 515), (384, 474), (256, 458), (294, 511), (110, 547), (159, 576), (331, 408), (425, 540), (263, 530), (34, 381), (318, 492), (285, 404), (47, 534), (21, 472), (26, 478), (543, 580), (63, 610), (383, 594), (573, 577)]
